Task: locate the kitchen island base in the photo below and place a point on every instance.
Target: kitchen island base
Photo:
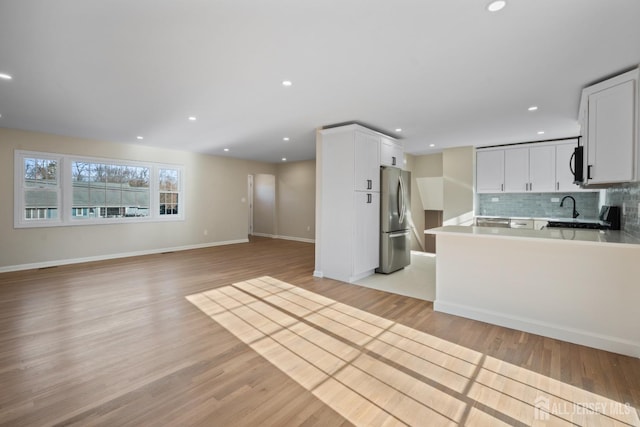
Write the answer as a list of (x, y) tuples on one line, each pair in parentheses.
[(578, 291)]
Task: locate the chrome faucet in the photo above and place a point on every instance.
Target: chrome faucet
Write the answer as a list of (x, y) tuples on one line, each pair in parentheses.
[(575, 212)]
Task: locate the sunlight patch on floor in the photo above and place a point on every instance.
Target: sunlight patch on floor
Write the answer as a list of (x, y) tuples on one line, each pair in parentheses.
[(374, 371)]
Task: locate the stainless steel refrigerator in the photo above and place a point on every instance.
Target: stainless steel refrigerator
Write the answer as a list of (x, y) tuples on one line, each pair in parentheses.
[(395, 202)]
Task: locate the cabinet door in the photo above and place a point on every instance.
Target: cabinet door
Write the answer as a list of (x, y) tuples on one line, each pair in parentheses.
[(542, 169), (391, 153), (366, 249), (367, 162), (564, 164), (610, 144), (516, 170), (490, 171)]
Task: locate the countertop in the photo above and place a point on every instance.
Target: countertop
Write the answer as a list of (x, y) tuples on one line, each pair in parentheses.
[(557, 234)]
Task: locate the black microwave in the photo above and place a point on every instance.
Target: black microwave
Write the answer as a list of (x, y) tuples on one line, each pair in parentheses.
[(576, 165)]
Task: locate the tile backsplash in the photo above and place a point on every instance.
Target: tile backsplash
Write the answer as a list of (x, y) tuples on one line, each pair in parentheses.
[(539, 205), (627, 196)]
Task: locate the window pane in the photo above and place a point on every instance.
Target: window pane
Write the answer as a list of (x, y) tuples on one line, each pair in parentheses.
[(40, 188), (110, 190), (169, 186)]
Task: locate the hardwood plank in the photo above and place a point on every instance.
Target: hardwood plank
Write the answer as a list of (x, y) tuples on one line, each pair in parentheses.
[(117, 343)]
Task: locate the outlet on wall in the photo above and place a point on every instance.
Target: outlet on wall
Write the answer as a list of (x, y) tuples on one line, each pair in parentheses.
[(555, 200), (495, 199)]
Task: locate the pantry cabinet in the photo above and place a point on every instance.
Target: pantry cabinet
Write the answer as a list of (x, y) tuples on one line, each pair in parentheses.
[(348, 199), (609, 125)]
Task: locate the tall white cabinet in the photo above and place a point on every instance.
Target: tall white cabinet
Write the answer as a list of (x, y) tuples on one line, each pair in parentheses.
[(348, 162)]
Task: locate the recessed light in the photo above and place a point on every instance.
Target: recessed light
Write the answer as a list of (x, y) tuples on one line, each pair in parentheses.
[(5, 76), (533, 108), (284, 159), (286, 83), (193, 119), (398, 130), (495, 6), (286, 138), (226, 149), (432, 145), (139, 137), (540, 132)]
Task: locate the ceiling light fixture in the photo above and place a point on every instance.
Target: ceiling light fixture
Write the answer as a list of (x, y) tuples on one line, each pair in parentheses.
[(432, 145), (286, 138), (5, 76), (533, 108), (226, 150), (286, 83), (193, 119), (398, 130), (139, 137), (540, 132), (497, 5), (284, 159)]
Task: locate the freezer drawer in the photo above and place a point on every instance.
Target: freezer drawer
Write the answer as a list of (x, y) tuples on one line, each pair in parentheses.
[(395, 251)]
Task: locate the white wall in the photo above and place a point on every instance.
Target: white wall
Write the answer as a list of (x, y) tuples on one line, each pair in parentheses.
[(215, 194), (296, 200)]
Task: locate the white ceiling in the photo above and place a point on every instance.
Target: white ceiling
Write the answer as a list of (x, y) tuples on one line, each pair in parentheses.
[(448, 73)]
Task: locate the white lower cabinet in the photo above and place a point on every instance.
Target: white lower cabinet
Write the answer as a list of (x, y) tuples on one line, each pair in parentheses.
[(366, 243)]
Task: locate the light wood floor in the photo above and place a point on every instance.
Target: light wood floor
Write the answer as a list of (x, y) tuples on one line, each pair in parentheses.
[(244, 335)]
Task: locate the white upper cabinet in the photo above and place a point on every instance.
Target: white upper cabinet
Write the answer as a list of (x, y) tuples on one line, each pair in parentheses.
[(542, 168), (527, 168), (490, 171), (367, 162), (391, 153), (530, 169), (516, 170), (609, 125)]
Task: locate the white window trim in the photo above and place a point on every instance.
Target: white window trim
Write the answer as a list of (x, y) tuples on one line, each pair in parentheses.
[(65, 192)]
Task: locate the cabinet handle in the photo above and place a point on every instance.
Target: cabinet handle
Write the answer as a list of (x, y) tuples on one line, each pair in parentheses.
[(589, 171), (557, 186), (531, 186), (393, 161), (369, 184), (368, 197), (501, 187)]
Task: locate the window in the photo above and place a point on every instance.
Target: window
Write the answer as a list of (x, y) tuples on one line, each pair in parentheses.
[(37, 191), (56, 189), (169, 181), (102, 190)]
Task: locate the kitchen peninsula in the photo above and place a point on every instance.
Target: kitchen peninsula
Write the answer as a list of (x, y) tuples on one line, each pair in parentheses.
[(581, 286)]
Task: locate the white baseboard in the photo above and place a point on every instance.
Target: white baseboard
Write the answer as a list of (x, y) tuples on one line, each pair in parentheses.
[(576, 336), (56, 263), (275, 236)]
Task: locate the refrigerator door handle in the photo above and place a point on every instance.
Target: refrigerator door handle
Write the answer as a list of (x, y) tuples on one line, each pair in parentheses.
[(401, 206), (394, 235)]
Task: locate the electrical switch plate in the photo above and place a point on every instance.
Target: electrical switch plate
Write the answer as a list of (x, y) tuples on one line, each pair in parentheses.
[(495, 199), (624, 208)]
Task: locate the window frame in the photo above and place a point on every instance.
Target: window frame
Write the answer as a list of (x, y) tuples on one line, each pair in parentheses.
[(65, 206)]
